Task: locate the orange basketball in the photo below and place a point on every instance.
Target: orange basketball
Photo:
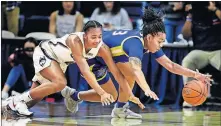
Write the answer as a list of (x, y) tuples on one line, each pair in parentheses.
[(195, 92)]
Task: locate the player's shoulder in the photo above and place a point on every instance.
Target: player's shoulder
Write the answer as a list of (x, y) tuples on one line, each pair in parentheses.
[(73, 39)]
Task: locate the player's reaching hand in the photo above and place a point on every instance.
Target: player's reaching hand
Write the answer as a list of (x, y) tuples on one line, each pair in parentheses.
[(203, 77), (106, 99), (151, 94), (136, 101)]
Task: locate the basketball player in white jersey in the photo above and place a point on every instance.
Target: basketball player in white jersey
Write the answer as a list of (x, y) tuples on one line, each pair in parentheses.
[(51, 59)]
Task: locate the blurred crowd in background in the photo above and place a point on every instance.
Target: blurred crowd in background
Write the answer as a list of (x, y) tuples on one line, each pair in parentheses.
[(60, 18), (197, 23)]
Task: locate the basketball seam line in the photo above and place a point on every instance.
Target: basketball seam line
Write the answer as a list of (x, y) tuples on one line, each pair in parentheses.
[(201, 97), (196, 91)]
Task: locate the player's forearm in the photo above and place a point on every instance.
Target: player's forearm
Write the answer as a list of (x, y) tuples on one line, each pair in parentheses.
[(90, 78), (139, 76), (180, 70), (141, 81)]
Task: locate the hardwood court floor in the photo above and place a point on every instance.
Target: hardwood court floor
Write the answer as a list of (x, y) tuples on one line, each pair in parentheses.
[(94, 114)]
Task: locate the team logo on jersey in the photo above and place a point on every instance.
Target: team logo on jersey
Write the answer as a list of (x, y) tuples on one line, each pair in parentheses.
[(42, 61), (90, 54), (71, 56), (101, 72)]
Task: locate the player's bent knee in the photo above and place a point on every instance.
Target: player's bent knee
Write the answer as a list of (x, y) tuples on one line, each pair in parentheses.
[(60, 84), (186, 62)]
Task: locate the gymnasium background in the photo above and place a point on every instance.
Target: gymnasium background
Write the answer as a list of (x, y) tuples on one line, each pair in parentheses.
[(34, 17)]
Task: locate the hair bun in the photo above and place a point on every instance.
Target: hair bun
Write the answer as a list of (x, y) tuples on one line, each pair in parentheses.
[(150, 16)]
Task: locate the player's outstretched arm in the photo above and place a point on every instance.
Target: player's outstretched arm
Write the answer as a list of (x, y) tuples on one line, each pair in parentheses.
[(105, 53), (139, 76), (180, 70), (74, 43)]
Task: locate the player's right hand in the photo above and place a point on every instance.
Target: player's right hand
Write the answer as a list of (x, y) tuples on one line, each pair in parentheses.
[(106, 99), (136, 101), (203, 77), (151, 94)]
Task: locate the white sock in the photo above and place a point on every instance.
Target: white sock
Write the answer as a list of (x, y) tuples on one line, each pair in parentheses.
[(79, 96), (25, 96)]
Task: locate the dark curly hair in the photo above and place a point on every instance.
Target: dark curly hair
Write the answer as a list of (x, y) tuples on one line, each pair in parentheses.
[(152, 22)]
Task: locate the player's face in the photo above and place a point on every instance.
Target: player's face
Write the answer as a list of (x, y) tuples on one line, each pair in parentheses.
[(29, 47), (93, 37), (154, 42), (68, 5), (109, 5)]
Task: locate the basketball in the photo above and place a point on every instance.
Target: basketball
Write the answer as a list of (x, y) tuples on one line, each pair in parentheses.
[(195, 92)]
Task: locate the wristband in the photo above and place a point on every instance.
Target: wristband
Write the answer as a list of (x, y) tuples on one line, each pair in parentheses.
[(188, 18)]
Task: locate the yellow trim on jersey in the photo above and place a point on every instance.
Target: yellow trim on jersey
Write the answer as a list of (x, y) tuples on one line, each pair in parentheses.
[(91, 67), (118, 50), (102, 77)]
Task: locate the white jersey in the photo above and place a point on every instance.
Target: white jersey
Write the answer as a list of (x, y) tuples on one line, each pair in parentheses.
[(58, 50)]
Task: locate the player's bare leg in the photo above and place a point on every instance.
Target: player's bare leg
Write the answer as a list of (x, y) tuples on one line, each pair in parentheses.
[(92, 96), (73, 97), (121, 108), (33, 102), (57, 83)]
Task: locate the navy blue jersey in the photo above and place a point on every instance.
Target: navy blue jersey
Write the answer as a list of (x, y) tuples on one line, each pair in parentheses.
[(123, 44), (126, 43)]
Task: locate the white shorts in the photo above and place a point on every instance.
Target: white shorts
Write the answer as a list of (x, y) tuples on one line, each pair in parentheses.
[(41, 61)]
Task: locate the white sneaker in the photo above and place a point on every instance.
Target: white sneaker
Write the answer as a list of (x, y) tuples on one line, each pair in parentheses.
[(19, 107), (70, 104), (124, 112), (15, 93), (4, 107), (4, 95), (6, 101), (186, 105)]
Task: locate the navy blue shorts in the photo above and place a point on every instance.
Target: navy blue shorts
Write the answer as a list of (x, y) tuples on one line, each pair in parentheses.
[(101, 74)]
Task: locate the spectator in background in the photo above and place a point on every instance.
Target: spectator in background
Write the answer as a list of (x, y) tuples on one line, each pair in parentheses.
[(11, 10), (66, 20), (112, 16), (203, 24), (22, 66), (156, 6), (174, 20)]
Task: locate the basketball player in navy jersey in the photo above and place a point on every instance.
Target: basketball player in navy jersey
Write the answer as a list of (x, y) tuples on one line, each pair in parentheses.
[(127, 48), (51, 59)]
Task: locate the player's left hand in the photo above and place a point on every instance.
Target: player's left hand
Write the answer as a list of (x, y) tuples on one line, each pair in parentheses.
[(151, 94), (203, 77), (136, 101)]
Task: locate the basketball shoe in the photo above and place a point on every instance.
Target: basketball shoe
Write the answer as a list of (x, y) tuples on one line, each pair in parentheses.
[(19, 107), (124, 112), (70, 104)]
